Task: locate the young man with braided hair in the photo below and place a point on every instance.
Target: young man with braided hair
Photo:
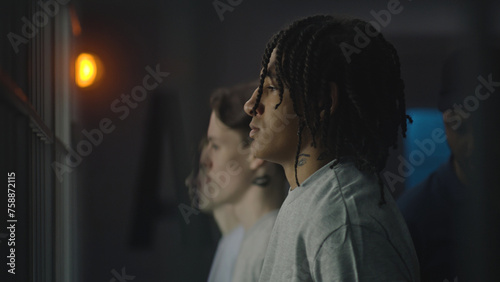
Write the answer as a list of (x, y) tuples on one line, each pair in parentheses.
[(339, 113)]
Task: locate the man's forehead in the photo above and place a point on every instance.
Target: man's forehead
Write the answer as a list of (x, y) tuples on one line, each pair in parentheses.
[(271, 66), (219, 133), (271, 73)]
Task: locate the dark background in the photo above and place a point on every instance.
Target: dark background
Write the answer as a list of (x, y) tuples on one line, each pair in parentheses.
[(201, 52), (129, 191)]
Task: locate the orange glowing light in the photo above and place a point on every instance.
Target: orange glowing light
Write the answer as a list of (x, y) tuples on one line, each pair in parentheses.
[(86, 70)]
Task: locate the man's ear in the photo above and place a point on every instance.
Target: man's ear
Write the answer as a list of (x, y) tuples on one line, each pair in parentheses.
[(254, 162), (334, 98)]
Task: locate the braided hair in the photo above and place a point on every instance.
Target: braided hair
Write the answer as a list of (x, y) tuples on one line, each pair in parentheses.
[(370, 100)]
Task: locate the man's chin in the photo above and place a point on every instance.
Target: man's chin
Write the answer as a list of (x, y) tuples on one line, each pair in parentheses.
[(206, 207), (258, 154), (256, 149)]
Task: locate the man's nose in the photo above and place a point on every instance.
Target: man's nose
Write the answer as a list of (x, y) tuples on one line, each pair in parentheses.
[(206, 162), (250, 104)]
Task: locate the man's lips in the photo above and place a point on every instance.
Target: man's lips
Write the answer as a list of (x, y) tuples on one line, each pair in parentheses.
[(253, 131)]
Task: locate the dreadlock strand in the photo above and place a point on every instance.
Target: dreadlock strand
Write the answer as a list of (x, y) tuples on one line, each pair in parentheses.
[(299, 144), (265, 61)]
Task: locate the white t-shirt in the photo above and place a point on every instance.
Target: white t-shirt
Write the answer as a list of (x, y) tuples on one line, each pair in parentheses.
[(225, 256), (253, 249), (331, 228)]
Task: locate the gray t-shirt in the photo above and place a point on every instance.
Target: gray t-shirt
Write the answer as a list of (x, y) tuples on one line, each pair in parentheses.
[(331, 228), (227, 251), (253, 249)]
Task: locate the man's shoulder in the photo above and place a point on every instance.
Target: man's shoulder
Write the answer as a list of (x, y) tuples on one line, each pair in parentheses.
[(329, 209), (337, 180)]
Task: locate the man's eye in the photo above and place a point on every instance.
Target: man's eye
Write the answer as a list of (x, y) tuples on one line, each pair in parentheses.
[(215, 147), (272, 88)]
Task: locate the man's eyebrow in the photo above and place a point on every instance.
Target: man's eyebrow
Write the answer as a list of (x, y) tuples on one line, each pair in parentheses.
[(271, 74), (213, 139)]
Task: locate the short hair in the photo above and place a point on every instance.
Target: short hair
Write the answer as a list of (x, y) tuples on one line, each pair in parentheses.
[(316, 51), (191, 180), (228, 102)]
